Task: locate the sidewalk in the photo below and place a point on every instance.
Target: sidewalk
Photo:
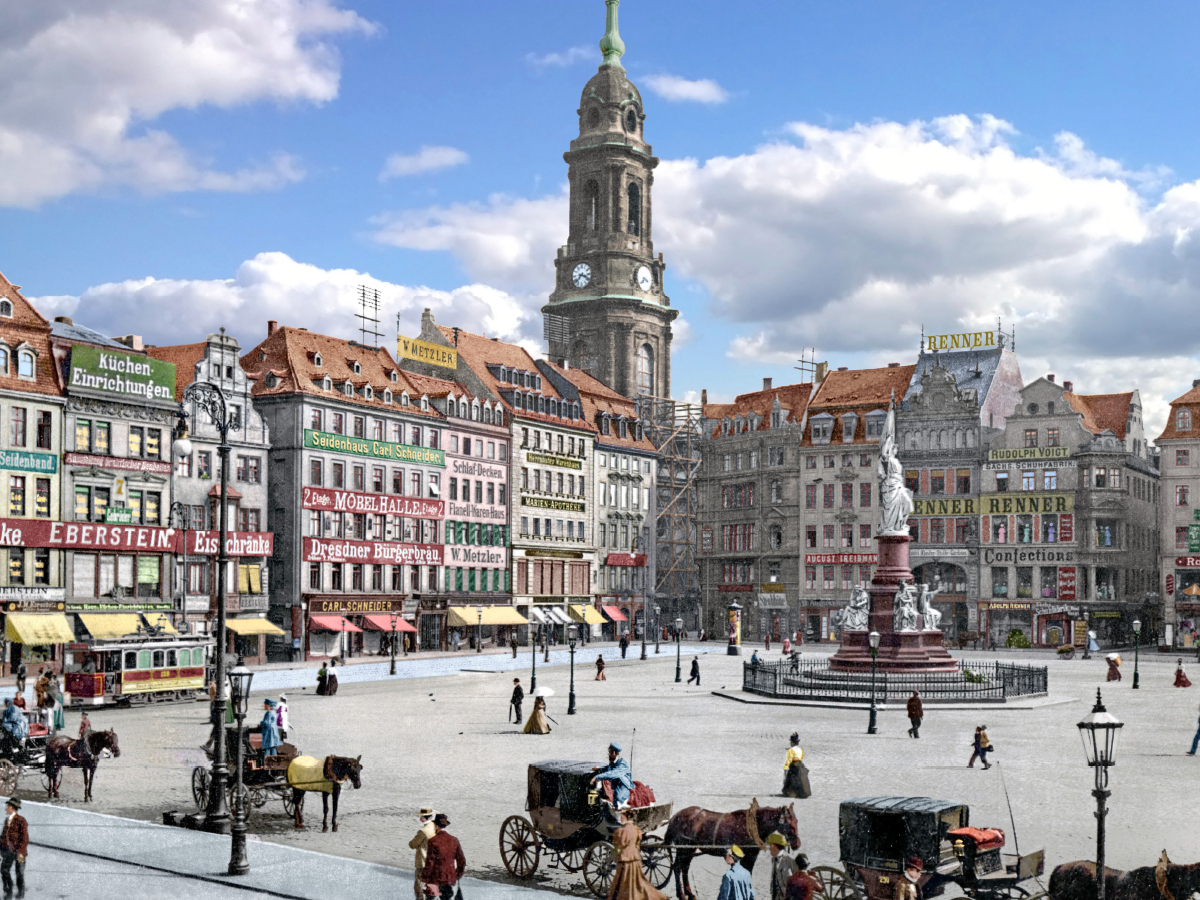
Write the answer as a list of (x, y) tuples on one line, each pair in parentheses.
[(275, 870)]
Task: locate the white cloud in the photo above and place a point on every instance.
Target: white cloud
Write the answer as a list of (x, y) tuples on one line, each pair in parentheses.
[(81, 83), (427, 159), (563, 58), (682, 90)]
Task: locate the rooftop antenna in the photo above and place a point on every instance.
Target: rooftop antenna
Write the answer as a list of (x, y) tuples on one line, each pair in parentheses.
[(922, 338), (368, 305), (1012, 344), (456, 335), (808, 362)]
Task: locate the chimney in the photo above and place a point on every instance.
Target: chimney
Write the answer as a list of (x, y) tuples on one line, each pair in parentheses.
[(766, 384), (427, 320), (1196, 382), (820, 372), (272, 326), (704, 396), (66, 320), (132, 341), (563, 363), (1069, 386), (1050, 378), (893, 365)]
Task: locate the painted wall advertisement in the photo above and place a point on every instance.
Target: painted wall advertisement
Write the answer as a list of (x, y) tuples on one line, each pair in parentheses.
[(423, 351), (373, 552), (1027, 502), (123, 376), (129, 538), (341, 443), (335, 500), (1066, 584)]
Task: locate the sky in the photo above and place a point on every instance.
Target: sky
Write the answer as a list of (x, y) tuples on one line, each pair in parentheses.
[(834, 178)]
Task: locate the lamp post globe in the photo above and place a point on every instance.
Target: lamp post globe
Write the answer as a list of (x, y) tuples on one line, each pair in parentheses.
[(1137, 640), (181, 447), (873, 641), (239, 695), (1099, 731), (678, 634), (572, 636)]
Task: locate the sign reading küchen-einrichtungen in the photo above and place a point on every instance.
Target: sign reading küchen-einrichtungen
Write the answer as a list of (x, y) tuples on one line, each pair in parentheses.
[(341, 443), (123, 376)]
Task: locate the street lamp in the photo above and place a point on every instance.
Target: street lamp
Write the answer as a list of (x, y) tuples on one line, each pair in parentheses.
[(1099, 735), (239, 694), (395, 615), (657, 627), (1137, 639), (572, 634), (210, 399), (873, 640), (533, 652), (678, 633), (479, 632), (1087, 635), (181, 447)]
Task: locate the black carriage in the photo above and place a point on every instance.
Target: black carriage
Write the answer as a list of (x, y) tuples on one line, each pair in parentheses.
[(878, 835), (263, 778), (28, 755), (573, 823)]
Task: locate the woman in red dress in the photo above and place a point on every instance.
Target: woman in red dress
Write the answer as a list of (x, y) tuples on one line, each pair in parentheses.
[(1181, 680)]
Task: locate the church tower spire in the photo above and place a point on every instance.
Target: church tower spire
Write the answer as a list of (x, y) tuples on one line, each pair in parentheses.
[(609, 313)]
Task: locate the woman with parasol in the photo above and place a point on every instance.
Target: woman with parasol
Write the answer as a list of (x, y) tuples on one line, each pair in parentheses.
[(537, 723)]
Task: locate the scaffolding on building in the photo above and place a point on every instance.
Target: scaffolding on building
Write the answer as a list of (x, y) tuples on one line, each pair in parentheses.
[(675, 430)]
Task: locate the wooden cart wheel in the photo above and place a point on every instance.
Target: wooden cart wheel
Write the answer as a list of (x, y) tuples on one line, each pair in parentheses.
[(599, 866), (572, 860), (519, 847), (656, 860), (289, 806), (10, 772), (834, 884), (200, 778)]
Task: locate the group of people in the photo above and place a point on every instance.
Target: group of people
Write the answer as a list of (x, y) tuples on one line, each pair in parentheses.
[(440, 861), (327, 682), (789, 874)]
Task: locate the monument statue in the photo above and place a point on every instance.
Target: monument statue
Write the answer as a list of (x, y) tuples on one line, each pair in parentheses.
[(932, 617), (854, 616), (904, 608), (897, 499)]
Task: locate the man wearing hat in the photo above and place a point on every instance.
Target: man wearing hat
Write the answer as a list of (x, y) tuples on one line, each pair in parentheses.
[(617, 771), (282, 718), (782, 865), (801, 886), (420, 839), (735, 884), (444, 861), (906, 887), (517, 698), (14, 844)]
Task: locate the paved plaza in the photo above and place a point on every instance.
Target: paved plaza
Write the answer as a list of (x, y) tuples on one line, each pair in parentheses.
[(443, 740)]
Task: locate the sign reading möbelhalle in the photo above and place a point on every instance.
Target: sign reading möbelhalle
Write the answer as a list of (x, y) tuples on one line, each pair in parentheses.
[(423, 351), (121, 376)]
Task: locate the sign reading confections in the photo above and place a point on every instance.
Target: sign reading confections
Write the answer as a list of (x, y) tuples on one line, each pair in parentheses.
[(423, 351), (375, 552), (335, 500), (324, 440), (123, 376), (1040, 555), (1027, 502), (1030, 453), (968, 341)]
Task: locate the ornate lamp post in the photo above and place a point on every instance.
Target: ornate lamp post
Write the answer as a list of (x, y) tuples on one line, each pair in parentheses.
[(211, 400), (873, 640), (678, 633), (1137, 639), (239, 694), (572, 634), (395, 615), (1087, 635), (479, 631), (181, 447), (645, 621), (657, 627), (533, 653), (1099, 734)]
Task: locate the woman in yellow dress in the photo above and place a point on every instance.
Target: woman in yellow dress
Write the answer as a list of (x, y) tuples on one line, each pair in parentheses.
[(537, 723), (795, 777)]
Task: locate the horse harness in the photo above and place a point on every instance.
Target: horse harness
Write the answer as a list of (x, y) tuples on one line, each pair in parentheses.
[(752, 827)]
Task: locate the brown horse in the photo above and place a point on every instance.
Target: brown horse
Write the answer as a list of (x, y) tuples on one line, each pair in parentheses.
[(695, 830), (335, 770), (1165, 881), (84, 753)]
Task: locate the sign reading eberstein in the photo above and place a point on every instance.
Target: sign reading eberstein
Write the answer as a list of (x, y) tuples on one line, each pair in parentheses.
[(374, 552), (423, 351), (968, 341), (94, 536), (126, 376), (381, 504), (324, 440), (1030, 453), (1027, 502)]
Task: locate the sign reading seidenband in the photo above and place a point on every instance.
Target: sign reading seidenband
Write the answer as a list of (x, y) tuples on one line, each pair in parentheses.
[(380, 504), (374, 552), (324, 440), (125, 376)]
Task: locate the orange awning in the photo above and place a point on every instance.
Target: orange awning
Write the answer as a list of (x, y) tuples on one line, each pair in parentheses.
[(614, 613), (333, 623), (383, 622)]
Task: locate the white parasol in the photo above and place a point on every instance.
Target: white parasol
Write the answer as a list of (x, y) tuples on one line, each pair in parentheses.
[(542, 692)]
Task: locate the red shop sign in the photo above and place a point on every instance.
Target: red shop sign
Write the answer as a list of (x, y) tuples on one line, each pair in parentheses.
[(237, 543), (1187, 562), (381, 504), (84, 536), (374, 552), (1066, 527), (1066, 584)]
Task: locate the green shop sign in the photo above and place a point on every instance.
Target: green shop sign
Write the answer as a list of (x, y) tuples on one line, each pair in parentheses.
[(324, 440), (544, 459), (125, 376), (20, 461), (561, 505)]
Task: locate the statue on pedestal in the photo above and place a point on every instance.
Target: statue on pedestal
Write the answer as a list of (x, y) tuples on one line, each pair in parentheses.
[(896, 498), (904, 608), (855, 616), (932, 617)]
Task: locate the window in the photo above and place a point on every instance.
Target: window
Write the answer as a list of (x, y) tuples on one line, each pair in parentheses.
[(937, 531), (847, 536), (912, 480), (828, 496), (1101, 477), (1024, 581), (1002, 482), (248, 469), (776, 537), (828, 536), (1029, 481), (1181, 537), (1106, 533), (847, 460), (828, 574), (775, 456), (1183, 457), (962, 481), (864, 535), (999, 529), (17, 419), (41, 502), (136, 440), (962, 531), (204, 464), (339, 475), (360, 478), (1182, 495), (753, 459), (634, 197), (1183, 420), (1031, 437), (339, 423), (1052, 437), (1049, 581), (937, 482), (315, 472), (810, 462), (25, 365), (645, 368), (810, 578), (250, 519), (847, 495), (1050, 480), (1050, 529), (16, 566), (810, 536), (1024, 529), (828, 460), (776, 491), (16, 495)]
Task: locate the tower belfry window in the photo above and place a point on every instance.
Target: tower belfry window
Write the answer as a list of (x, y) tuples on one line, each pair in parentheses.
[(645, 369), (635, 209), (631, 122), (591, 204)]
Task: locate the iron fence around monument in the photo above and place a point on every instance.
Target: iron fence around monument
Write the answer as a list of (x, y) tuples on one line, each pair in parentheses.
[(970, 682)]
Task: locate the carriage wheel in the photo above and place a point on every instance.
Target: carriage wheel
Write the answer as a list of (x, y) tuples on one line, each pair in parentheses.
[(288, 806), (599, 866), (258, 798), (519, 847), (834, 884), (200, 779), (656, 860), (572, 860)]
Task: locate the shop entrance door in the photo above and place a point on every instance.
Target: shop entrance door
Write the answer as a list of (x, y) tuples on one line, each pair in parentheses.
[(431, 632)]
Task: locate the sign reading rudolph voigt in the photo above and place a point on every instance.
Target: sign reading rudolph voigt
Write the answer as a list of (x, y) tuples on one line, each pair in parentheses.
[(121, 376)]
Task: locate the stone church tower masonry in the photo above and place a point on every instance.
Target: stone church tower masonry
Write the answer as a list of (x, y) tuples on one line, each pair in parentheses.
[(609, 313)]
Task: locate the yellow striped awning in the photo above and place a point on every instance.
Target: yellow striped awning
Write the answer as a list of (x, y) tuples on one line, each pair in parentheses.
[(464, 616), (589, 615), (110, 625), (33, 629), (253, 626)]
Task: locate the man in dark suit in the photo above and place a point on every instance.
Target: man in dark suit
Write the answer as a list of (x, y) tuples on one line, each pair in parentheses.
[(14, 844), (444, 861)]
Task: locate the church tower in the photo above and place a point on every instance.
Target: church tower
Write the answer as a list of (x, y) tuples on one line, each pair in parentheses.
[(609, 314)]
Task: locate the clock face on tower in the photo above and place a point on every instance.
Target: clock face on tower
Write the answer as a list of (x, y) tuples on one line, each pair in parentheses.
[(643, 278), (581, 275)]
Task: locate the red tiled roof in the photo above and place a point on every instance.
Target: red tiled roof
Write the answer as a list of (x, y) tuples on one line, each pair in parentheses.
[(792, 397), (1188, 400), (1102, 412), (27, 326), (597, 398), (185, 357), (858, 391)]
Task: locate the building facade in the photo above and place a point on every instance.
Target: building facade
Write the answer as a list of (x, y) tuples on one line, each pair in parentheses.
[(1178, 523)]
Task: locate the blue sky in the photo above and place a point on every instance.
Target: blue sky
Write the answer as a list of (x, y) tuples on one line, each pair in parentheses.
[(834, 174)]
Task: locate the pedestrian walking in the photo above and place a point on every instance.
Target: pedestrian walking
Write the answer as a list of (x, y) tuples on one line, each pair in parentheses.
[(982, 746), (783, 867), (515, 701), (915, 714), (624, 644), (767, 644), (513, 642), (600, 676), (754, 661), (269, 729), (787, 645), (444, 862), (454, 640), (906, 887), (735, 883), (1195, 740), (282, 718), (21, 672), (1114, 667), (801, 886), (537, 723), (695, 673), (418, 843), (629, 880), (1181, 680), (322, 680), (331, 685), (14, 845), (406, 645), (795, 773), (39, 688)]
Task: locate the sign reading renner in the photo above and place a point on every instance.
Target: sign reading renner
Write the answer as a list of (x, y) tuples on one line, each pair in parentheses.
[(126, 376)]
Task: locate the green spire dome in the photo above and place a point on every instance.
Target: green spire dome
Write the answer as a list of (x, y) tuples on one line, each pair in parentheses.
[(611, 44)]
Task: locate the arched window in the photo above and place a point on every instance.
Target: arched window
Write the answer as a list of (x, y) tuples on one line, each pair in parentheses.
[(645, 369), (591, 204), (631, 122), (1183, 420), (634, 194), (462, 409), (3, 361), (6, 309)]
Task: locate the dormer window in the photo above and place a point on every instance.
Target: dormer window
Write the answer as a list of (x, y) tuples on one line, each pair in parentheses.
[(404, 398), (357, 369), (348, 388), (622, 427), (424, 403), (26, 364), (327, 383), (1183, 420), (875, 420), (395, 377), (605, 424), (822, 428), (369, 392), (270, 381), (387, 396), (640, 431), (849, 423), (317, 361), (6, 309)]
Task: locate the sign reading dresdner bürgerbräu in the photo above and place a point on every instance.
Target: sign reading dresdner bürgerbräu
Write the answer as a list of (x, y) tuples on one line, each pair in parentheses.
[(123, 376)]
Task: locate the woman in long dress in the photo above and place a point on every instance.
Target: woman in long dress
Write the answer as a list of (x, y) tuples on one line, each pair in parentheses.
[(629, 881), (537, 723), (794, 782), (1181, 680), (600, 676)]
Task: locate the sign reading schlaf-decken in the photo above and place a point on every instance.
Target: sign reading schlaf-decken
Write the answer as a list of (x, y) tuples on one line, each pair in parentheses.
[(126, 376), (341, 443), (374, 552)]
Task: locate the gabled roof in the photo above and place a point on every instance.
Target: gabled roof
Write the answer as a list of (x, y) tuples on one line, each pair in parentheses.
[(851, 388), (185, 357), (80, 334), (793, 399), (1102, 412), (597, 398), (1188, 400), (970, 368), (29, 327)]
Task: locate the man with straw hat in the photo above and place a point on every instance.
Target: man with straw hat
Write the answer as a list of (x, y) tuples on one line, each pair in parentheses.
[(420, 839), (735, 884), (783, 866)]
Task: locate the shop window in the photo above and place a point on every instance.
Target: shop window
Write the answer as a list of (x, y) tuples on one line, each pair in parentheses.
[(1024, 581), (149, 576), (41, 565), (16, 565), (1000, 530), (962, 481), (1049, 579), (1024, 529), (1001, 482), (1049, 529), (1106, 533), (16, 495)]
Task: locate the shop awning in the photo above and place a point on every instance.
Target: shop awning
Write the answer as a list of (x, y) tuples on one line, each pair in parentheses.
[(254, 626), (589, 615), (625, 559), (614, 613), (462, 616), (383, 622), (161, 621), (558, 616), (110, 625), (332, 623), (32, 629), (536, 615)]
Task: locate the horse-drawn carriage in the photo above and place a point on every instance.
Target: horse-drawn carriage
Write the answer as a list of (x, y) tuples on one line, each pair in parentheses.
[(20, 756), (879, 836), (572, 821), (262, 779)]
